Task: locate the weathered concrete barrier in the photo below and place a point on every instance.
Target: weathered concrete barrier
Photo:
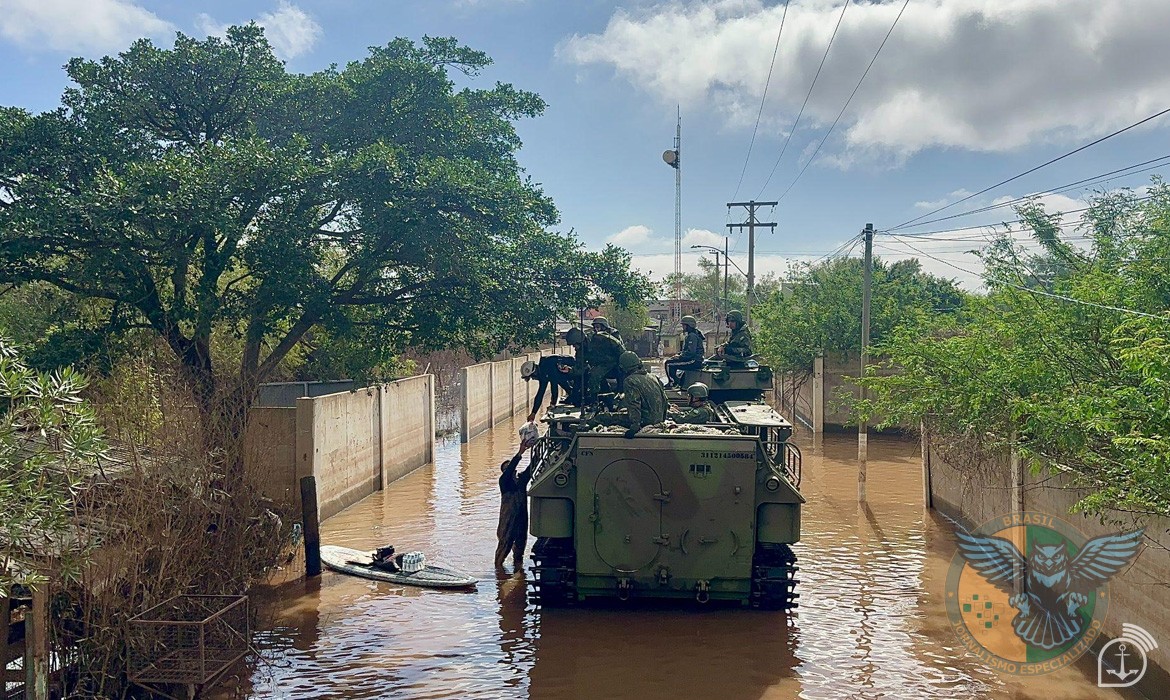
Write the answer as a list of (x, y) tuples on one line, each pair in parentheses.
[(819, 397), (495, 391), (353, 443), (975, 489)]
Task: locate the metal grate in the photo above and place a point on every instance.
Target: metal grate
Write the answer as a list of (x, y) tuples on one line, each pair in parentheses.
[(189, 639)]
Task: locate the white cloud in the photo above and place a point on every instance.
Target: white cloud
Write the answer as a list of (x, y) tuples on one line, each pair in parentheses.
[(78, 25), (984, 75), (630, 237), (700, 236), (290, 30)]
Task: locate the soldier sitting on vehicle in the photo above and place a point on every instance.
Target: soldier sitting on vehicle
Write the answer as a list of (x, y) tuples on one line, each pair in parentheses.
[(700, 411), (738, 349), (691, 356), (642, 403)]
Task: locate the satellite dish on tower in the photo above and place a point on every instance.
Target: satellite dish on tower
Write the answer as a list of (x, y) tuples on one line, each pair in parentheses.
[(671, 158)]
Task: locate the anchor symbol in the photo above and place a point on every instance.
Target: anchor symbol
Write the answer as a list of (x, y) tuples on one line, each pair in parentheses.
[(1122, 674)]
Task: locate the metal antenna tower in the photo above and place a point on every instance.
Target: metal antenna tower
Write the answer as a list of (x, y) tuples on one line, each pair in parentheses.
[(673, 159)]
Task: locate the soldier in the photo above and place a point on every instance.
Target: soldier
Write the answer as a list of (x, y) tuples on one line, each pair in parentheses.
[(556, 370), (643, 402), (691, 356), (597, 360), (601, 325), (700, 412), (738, 349), (512, 531)]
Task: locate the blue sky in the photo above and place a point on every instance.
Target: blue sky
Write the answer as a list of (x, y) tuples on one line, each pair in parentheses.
[(965, 93)]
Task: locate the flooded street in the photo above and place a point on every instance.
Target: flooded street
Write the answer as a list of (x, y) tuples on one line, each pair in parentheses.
[(871, 621)]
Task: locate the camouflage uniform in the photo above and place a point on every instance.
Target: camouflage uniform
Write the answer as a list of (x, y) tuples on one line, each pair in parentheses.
[(643, 403), (739, 347), (701, 414), (601, 353)]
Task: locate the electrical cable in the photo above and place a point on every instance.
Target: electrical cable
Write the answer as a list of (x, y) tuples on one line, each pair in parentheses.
[(1095, 179), (1029, 171), (763, 97), (806, 98), (846, 105)]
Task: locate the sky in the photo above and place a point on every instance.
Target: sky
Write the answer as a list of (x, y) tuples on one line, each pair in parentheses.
[(964, 94)]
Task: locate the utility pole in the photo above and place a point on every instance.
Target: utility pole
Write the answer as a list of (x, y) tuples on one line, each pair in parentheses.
[(715, 311), (726, 260), (862, 426), (752, 223)]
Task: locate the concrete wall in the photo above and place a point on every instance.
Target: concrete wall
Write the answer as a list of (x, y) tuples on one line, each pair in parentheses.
[(822, 392), (494, 391), (354, 443), (407, 426), (476, 406), (973, 490), (285, 394), (270, 454), (338, 442), (501, 390)]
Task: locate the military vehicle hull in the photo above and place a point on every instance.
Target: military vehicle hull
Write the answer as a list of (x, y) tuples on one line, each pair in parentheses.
[(706, 517)]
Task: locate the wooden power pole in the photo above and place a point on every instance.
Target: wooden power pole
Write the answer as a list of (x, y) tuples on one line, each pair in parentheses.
[(862, 425), (751, 224)]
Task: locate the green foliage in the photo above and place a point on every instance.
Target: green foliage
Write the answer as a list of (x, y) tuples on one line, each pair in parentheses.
[(629, 320), (205, 193), (1042, 365), (820, 310), (707, 288), (49, 440)]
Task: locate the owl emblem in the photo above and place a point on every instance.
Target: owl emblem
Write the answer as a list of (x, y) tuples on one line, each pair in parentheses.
[(1055, 586)]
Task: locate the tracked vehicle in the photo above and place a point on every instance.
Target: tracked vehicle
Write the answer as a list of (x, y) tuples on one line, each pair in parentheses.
[(691, 512)]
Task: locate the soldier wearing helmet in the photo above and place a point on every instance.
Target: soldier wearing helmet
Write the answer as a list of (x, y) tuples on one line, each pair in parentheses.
[(642, 403), (700, 411), (597, 361), (601, 325), (691, 356), (738, 349)]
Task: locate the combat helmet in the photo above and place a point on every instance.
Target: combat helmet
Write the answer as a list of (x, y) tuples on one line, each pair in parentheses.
[(527, 369), (698, 390), (629, 362), (689, 321), (734, 316), (574, 336), (601, 321)]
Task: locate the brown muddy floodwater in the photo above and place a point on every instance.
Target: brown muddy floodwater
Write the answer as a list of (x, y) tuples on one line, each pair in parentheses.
[(871, 621)]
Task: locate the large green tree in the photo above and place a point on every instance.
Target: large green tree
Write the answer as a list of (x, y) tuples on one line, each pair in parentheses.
[(820, 310), (1064, 360), (204, 189)]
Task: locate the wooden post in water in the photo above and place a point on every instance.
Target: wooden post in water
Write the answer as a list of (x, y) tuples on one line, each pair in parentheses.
[(862, 426), (36, 646), (312, 526)]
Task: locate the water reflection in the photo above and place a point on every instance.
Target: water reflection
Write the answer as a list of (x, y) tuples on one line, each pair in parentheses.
[(871, 621)]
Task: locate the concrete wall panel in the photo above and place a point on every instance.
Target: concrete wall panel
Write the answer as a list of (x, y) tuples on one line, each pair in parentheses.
[(270, 454), (501, 390), (408, 427), (476, 408), (337, 442)]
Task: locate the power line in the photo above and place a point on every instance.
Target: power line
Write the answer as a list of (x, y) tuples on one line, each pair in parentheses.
[(806, 98), (924, 234), (846, 105), (759, 114), (1040, 292), (1095, 179), (985, 190)]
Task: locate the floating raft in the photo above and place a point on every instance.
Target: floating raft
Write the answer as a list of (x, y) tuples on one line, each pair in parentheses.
[(357, 563)]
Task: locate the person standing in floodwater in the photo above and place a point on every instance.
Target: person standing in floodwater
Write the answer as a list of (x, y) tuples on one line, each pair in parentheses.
[(512, 532)]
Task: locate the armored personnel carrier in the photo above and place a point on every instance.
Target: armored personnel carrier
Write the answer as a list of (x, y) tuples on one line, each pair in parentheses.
[(687, 512)]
